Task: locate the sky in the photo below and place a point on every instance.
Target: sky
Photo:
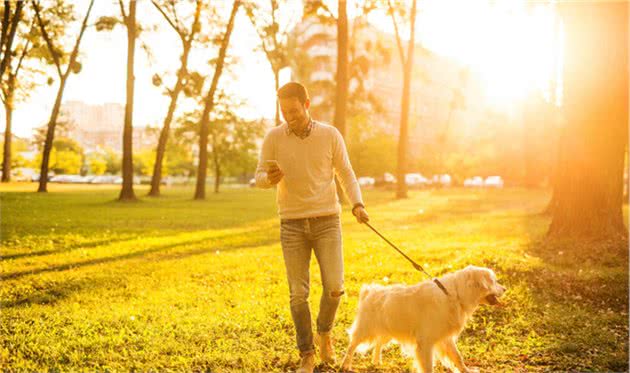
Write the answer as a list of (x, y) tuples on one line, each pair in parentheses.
[(511, 50)]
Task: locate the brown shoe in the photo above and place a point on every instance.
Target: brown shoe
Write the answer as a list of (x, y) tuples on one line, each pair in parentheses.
[(326, 349), (307, 364)]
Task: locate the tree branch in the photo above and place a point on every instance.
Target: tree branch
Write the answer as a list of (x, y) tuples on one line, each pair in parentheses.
[(195, 25), (274, 7), (326, 9), (5, 23), (122, 10), (9, 41), (168, 19), (174, 13), (24, 52), (75, 51), (49, 43), (398, 41)]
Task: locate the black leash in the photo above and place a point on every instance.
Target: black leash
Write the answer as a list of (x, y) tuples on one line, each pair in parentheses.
[(415, 265)]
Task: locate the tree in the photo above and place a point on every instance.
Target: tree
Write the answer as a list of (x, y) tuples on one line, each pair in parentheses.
[(273, 39), (66, 156), (57, 14), (341, 91), (200, 189), (371, 150), (129, 18), (363, 50), (12, 87), (143, 162), (186, 36), (407, 65), (113, 161), (96, 163), (18, 145), (10, 21), (589, 177), (232, 147)]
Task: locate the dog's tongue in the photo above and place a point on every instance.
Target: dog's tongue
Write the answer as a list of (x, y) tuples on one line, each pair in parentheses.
[(492, 299)]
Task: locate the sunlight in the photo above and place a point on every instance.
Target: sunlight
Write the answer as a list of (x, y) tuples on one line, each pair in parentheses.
[(511, 46)]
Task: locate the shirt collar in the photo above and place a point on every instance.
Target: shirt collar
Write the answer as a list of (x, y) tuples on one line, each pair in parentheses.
[(304, 134)]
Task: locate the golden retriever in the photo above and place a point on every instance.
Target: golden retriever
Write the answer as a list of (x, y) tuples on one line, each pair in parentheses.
[(421, 317)]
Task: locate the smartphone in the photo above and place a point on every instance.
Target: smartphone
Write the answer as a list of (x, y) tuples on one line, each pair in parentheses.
[(271, 164)]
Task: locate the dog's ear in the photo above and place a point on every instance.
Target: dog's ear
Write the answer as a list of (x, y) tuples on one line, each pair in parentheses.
[(481, 280)]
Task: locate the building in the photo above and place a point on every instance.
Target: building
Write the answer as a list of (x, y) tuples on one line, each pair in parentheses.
[(445, 96), (101, 126)]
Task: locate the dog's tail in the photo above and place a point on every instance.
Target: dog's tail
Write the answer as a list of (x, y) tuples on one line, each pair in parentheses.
[(365, 289), (363, 293)]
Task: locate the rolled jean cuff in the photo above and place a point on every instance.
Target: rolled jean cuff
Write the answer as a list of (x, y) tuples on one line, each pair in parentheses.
[(308, 352)]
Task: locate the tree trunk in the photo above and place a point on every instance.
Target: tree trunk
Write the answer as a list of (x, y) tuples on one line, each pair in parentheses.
[(341, 94), (127, 193), (8, 136), (200, 189), (50, 135), (63, 78), (276, 77), (341, 90), (401, 187), (156, 178), (590, 171), (217, 172), (7, 39), (161, 148)]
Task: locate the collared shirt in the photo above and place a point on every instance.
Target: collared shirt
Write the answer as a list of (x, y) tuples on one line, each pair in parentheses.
[(304, 134)]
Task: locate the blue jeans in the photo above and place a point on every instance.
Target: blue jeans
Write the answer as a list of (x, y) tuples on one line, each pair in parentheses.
[(323, 236)]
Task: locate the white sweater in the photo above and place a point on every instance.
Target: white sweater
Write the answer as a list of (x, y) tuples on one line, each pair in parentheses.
[(308, 186)]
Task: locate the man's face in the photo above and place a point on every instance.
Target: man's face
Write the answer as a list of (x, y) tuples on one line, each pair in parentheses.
[(294, 113)]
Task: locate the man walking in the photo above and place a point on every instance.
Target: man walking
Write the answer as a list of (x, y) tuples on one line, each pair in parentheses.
[(301, 156)]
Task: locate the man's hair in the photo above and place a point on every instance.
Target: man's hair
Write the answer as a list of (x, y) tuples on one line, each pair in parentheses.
[(293, 89)]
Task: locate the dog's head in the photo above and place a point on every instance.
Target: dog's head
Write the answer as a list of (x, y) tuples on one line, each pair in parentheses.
[(483, 285)]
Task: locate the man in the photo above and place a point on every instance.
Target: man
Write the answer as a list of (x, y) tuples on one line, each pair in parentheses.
[(301, 156)]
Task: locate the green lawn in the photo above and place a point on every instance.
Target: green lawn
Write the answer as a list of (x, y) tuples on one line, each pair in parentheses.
[(175, 284)]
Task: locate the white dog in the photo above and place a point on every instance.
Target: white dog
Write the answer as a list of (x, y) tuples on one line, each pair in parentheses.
[(421, 317)]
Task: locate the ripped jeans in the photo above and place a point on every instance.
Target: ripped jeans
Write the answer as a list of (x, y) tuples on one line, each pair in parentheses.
[(298, 237)]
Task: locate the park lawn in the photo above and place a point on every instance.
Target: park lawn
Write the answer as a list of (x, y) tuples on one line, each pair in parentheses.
[(175, 284)]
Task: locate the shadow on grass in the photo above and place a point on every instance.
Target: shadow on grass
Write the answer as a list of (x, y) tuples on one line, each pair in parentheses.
[(255, 241), (588, 272), (59, 291), (85, 245)]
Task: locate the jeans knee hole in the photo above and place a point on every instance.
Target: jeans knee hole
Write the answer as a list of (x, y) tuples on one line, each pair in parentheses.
[(337, 293)]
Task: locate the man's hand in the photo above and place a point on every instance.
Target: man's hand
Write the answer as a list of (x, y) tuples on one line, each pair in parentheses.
[(274, 174), (361, 215)]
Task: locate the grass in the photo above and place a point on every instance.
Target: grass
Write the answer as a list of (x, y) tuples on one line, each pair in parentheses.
[(176, 284)]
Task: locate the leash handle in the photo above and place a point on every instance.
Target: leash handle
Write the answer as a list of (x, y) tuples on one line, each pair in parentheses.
[(415, 265)]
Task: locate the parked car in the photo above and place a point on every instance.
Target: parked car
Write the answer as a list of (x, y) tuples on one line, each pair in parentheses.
[(103, 179), (67, 179), (416, 180), (385, 179), (493, 182), (36, 177), (474, 182), (22, 174), (444, 180), (366, 181)]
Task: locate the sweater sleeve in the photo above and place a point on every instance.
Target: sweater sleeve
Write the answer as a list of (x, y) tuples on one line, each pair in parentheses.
[(266, 153), (343, 169)]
